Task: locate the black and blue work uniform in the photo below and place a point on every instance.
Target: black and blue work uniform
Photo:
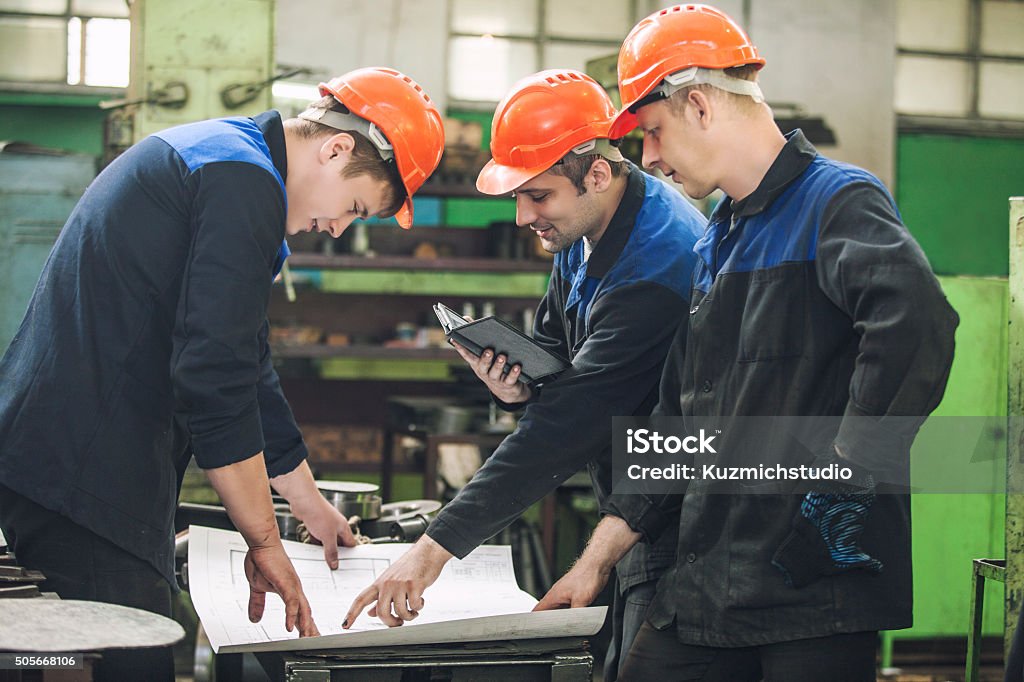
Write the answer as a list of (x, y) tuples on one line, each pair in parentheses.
[(613, 316), (145, 342), (810, 299)]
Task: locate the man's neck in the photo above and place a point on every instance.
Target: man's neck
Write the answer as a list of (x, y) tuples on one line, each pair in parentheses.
[(610, 201), (296, 149), (750, 152)]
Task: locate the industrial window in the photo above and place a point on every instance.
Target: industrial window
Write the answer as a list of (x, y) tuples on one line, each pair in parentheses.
[(65, 42), (491, 45), (960, 64)]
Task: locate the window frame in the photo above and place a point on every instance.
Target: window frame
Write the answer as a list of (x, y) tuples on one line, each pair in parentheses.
[(974, 123), (54, 87), (540, 41)]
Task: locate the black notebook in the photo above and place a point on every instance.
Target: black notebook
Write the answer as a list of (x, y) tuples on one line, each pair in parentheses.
[(489, 332)]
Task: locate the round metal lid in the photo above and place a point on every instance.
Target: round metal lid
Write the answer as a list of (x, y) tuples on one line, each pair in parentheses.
[(408, 508), (347, 487), (73, 625)]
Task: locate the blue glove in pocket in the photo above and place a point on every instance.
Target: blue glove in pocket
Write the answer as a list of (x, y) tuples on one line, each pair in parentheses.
[(826, 535)]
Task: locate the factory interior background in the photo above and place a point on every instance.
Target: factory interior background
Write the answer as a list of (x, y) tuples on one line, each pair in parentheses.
[(926, 94)]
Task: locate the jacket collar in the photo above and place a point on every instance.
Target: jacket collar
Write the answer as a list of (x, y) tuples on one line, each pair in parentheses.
[(792, 161), (270, 124), (611, 243)]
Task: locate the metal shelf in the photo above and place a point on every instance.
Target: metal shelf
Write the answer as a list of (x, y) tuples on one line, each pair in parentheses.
[(368, 352), (374, 363), (486, 265)]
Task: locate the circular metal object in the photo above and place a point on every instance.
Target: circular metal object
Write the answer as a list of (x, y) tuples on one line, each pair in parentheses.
[(352, 498), (287, 523), (409, 529), (409, 508), (355, 487), (366, 508), (73, 625)]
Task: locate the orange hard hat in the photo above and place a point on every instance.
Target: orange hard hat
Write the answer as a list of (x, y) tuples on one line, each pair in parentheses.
[(671, 40), (397, 107), (542, 118)]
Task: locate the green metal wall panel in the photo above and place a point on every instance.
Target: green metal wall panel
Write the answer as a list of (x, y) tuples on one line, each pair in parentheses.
[(74, 128), (952, 530), (952, 192)]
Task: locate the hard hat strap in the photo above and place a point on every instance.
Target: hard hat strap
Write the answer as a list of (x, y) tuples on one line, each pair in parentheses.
[(351, 122), (696, 75), (601, 146)]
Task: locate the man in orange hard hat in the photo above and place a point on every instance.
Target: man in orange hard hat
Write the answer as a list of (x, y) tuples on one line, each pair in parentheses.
[(145, 344), (810, 299), (623, 245)]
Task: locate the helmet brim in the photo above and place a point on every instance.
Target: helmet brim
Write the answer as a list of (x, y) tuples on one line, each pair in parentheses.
[(623, 123), (496, 179), (404, 214)]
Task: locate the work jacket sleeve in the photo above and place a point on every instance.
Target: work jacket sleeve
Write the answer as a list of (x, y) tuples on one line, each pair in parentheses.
[(611, 375), (217, 359), (872, 269), (548, 332), (284, 448), (649, 513)]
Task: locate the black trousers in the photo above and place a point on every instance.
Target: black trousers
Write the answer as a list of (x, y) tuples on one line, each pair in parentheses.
[(658, 655), (78, 564), (628, 613)]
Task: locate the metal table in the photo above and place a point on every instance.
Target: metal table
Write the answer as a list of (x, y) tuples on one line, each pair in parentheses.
[(532, 660)]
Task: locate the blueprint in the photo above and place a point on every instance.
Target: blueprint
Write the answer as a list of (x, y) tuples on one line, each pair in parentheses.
[(474, 599)]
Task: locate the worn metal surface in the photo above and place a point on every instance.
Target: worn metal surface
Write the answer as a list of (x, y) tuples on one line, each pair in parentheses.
[(984, 569), (541, 660), (208, 45), (71, 625), (1015, 441), (11, 575)]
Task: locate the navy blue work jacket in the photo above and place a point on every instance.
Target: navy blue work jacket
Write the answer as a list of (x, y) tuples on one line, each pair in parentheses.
[(145, 342), (614, 316)]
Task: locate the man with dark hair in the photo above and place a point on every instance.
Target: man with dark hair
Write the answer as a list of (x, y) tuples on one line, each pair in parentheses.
[(145, 344), (623, 245), (574, 168), (810, 299)]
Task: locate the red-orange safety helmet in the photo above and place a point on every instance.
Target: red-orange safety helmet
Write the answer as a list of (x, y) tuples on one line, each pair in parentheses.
[(399, 108), (542, 118), (670, 41)]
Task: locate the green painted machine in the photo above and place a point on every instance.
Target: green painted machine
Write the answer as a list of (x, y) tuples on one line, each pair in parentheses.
[(38, 190)]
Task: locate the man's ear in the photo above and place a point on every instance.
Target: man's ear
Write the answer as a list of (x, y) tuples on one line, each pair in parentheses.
[(700, 109), (337, 146), (601, 174)]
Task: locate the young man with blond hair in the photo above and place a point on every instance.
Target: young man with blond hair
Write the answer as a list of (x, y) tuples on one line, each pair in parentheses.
[(810, 299)]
